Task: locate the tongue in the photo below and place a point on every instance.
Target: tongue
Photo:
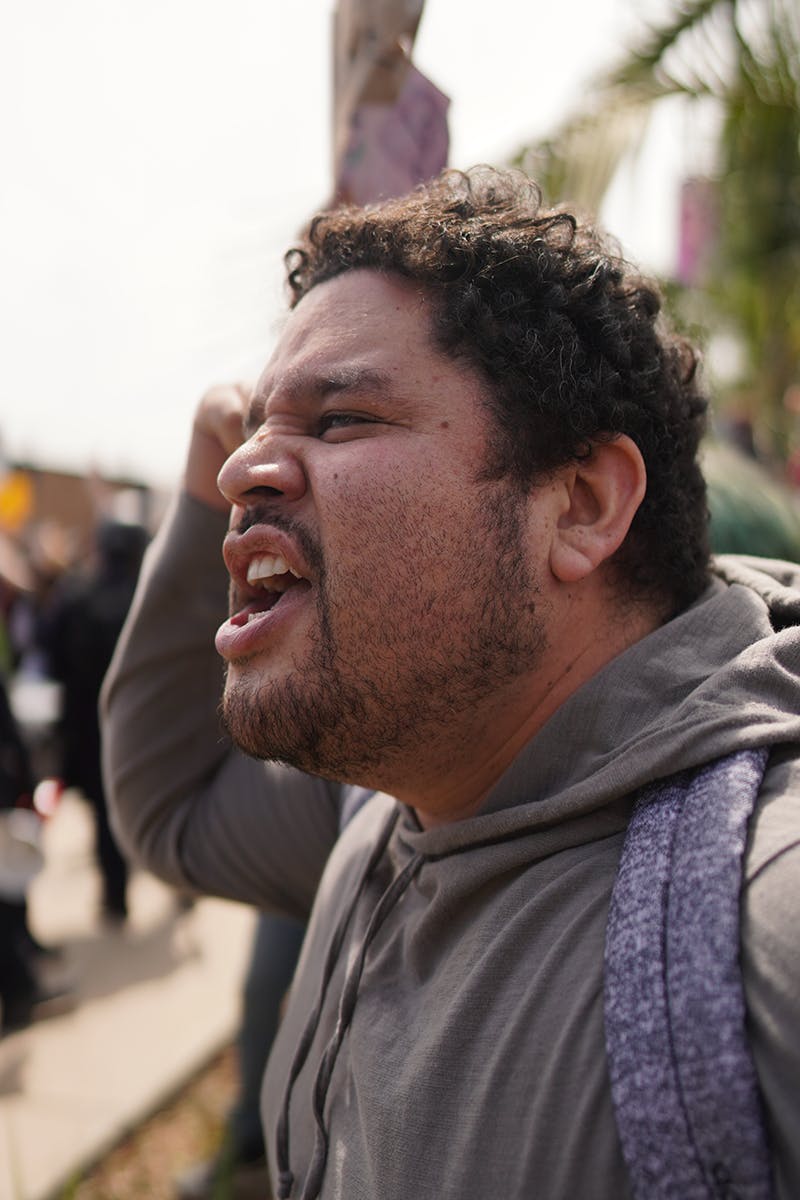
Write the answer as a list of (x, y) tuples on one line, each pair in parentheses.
[(269, 599)]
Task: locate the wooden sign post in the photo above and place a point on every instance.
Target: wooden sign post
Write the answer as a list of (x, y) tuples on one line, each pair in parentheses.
[(389, 121)]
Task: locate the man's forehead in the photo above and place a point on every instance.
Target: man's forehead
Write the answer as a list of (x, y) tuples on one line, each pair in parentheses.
[(358, 301), (356, 329)]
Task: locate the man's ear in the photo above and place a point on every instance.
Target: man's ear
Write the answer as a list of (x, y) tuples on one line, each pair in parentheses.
[(599, 499)]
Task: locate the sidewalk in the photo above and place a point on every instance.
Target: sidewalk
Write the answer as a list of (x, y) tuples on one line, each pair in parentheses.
[(155, 1000)]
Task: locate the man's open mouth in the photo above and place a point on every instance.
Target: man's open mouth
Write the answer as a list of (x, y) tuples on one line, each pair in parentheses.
[(269, 578)]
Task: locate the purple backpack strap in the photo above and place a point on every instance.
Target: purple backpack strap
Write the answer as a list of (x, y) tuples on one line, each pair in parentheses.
[(684, 1087)]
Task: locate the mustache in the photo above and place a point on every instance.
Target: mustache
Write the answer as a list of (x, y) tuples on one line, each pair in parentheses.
[(264, 513)]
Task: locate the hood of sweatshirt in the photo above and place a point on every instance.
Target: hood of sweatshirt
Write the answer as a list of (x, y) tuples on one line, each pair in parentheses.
[(723, 675)]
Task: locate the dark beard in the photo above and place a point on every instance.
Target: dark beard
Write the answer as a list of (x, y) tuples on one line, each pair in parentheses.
[(351, 720), (295, 723)]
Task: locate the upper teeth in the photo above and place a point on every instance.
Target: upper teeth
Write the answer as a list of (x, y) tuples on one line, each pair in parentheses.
[(265, 567)]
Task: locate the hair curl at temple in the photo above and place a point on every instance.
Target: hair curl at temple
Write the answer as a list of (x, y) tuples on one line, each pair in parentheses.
[(567, 336)]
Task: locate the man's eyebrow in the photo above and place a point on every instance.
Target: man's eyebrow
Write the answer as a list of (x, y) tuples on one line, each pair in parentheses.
[(298, 385), (351, 379)]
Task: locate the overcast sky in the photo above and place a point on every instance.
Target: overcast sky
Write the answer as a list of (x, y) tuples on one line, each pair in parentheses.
[(158, 157)]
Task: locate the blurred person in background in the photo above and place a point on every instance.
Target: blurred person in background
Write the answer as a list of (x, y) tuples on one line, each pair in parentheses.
[(23, 994), (18, 983), (79, 631)]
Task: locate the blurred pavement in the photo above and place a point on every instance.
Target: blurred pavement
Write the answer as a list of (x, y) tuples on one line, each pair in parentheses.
[(155, 999)]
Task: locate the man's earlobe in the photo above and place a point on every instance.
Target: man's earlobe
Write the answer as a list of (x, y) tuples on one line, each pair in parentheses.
[(601, 495)]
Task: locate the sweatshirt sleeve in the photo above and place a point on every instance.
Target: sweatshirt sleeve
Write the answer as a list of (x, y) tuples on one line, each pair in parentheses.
[(771, 963), (183, 801)]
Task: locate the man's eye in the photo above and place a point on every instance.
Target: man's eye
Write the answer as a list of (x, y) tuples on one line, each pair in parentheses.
[(336, 420)]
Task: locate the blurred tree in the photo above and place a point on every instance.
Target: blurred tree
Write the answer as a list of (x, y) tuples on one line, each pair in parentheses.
[(751, 513), (745, 55)]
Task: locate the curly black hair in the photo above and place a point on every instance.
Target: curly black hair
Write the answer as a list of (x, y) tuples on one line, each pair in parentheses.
[(567, 336)]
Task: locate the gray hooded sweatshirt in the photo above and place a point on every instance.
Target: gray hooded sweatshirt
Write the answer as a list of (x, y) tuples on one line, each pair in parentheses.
[(444, 1036)]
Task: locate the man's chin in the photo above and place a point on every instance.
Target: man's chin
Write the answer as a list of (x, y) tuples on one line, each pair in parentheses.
[(270, 719), (288, 722), (242, 717)]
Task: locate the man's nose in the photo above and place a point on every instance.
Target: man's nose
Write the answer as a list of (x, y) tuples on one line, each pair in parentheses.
[(262, 468)]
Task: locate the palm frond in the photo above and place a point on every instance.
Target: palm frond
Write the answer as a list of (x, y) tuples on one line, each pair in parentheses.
[(578, 163), (647, 62), (745, 54)]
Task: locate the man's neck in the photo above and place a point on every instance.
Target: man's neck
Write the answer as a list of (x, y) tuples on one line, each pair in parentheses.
[(458, 778)]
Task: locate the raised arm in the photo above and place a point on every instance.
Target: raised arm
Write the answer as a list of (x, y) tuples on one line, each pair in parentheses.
[(184, 802)]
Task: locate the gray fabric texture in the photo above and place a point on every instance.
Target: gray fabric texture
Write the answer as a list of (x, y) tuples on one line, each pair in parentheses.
[(682, 1076)]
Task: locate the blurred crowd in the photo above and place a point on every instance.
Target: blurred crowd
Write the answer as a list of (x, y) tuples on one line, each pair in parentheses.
[(62, 605)]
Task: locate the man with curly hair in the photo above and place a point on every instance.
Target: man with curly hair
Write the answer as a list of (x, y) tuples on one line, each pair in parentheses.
[(472, 614)]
